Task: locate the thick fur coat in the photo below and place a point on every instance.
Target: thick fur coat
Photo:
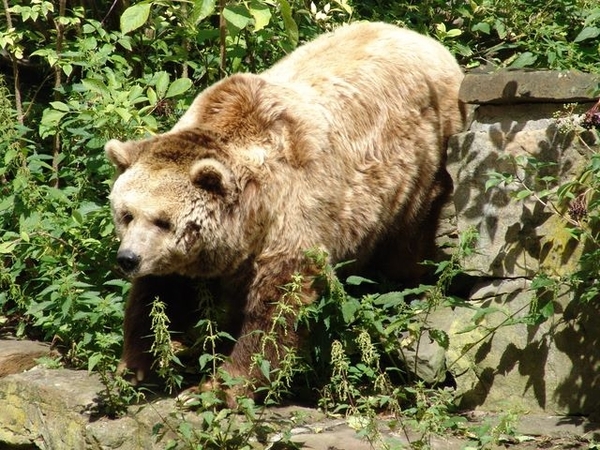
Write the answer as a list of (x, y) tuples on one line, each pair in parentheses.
[(340, 147)]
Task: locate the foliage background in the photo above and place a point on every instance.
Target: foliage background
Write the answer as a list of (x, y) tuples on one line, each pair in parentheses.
[(75, 73)]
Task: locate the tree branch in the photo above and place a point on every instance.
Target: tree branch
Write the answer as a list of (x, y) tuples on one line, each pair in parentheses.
[(222, 37)]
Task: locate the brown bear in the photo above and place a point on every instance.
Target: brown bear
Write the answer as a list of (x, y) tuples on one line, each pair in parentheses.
[(339, 147)]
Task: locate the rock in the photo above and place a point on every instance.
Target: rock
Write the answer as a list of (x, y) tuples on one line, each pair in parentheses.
[(58, 409), (520, 86), (48, 408), (516, 237), (425, 358), (502, 363), (499, 361), (17, 356)]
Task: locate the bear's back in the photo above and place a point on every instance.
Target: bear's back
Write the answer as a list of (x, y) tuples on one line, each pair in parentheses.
[(366, 73), (358, 47)]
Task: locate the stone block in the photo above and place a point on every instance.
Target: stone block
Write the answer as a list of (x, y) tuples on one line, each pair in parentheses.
[(47, 408), (502, 363), (516, 237), (526, 86), (17, 356)]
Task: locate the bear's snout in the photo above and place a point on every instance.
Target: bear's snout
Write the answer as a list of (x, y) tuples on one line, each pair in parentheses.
[(128, 260)]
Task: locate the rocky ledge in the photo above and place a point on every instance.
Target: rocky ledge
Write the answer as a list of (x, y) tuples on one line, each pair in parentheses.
[(57, 409)]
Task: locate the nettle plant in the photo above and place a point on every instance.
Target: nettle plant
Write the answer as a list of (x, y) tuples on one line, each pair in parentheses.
[(57, 229)]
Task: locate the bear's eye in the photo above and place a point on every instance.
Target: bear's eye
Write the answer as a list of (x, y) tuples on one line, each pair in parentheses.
[(163, 224), (126, 218)]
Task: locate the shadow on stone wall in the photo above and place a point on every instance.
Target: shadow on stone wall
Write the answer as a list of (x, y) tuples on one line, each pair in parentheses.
[(509, 362)]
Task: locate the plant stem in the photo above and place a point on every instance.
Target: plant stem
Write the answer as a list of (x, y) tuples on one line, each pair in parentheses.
[(222, 37), (60, 34), (15, 69)]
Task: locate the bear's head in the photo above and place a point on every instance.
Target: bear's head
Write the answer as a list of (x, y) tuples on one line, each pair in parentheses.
[(176, 205)]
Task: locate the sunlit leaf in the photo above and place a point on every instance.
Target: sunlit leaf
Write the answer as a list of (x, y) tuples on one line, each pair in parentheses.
[(202, 9), (162, 83), (237, 18), (524, 60), (134, 17), (261, 14), (291, 27), (587, 33), (178, 87)]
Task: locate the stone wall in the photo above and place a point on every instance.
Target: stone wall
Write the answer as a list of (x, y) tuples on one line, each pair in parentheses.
[(552, 367)]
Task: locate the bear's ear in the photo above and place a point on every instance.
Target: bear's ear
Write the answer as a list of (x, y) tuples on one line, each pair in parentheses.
[(121, 154), (212, 176)]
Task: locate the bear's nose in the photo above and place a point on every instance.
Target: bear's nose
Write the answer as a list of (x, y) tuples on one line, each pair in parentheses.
[(128, 260)]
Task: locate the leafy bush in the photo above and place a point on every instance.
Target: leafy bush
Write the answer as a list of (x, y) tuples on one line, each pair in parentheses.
[(106, 81), (556, 34)]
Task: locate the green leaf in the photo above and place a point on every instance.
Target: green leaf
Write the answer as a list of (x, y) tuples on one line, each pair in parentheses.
[(96, 86), (454, 32), (265, 368), (587, 33), (482, 27), (60, 106), (94, 360), (178, 87), (7, 203), (204, 359), (523, 194), (237, 18), (349, 309), (162, 83), (10, 154), (524, 59), (201, 10), (125, 42), (344, 5), (290, 24), (50, 120), (124, 114), (152, 97), (261, 14), (355, 280), (391, 299), (134, 17), (542, 281), (7, 247)]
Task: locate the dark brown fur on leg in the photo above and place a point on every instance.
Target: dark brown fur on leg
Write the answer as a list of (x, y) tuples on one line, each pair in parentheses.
[(179, 296), (267, 301)]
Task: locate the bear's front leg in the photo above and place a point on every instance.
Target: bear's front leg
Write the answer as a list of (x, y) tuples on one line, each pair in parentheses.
[(180, 297), (137, 340), (269, 324)]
